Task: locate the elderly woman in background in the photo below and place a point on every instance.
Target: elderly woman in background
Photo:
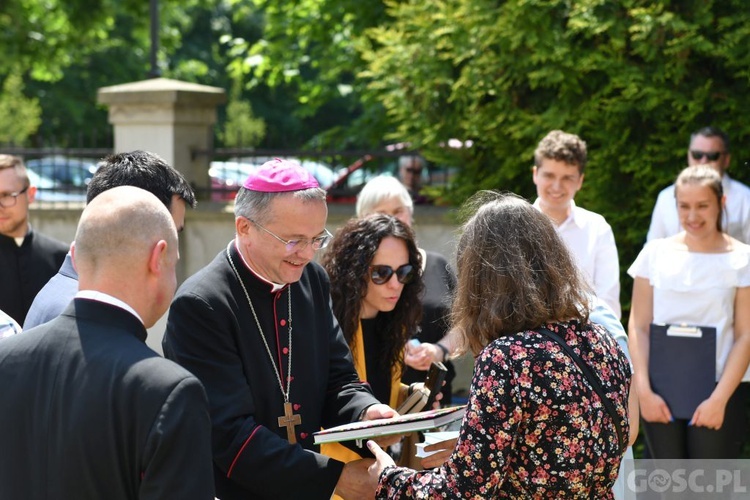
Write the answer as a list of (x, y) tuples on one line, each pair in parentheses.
[(384, 194), (700, 276), (536, 425)]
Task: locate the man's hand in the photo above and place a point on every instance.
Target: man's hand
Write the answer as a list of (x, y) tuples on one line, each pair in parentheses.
[(382, 460), (355, 481), (377, 412), (444, 450)]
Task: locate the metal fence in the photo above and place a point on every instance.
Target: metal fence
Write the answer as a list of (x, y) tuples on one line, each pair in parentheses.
[(341, 173), (61, 175)]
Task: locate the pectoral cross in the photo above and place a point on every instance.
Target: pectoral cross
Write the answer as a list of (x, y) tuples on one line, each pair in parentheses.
[(290, 421)]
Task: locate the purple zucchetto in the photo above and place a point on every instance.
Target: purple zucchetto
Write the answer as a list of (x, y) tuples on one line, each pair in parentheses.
[(278, 176)]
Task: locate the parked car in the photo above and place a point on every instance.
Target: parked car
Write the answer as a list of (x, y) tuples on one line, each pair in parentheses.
[(72, 172), (50, 190), (349, 181), (228, 176)]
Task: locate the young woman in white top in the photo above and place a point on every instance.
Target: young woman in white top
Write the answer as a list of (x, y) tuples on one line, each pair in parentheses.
[(700, 276)]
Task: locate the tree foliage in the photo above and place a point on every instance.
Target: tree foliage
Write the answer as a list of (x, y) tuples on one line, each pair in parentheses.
[(20, 116), (241, 128), (632, 78), (68, 49), (309, 48)]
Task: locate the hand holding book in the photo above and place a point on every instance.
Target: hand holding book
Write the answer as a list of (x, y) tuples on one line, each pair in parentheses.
[(389, 426)]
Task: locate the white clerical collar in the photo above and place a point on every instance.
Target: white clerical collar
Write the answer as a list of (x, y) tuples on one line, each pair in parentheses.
[(107, 299), (20, 239), (275, 287)]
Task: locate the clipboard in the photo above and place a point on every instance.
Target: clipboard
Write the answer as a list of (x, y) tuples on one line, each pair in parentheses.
[(682, 365)]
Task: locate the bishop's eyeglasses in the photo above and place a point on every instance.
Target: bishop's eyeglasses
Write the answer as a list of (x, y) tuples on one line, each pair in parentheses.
[(298, 245), (8, 200)]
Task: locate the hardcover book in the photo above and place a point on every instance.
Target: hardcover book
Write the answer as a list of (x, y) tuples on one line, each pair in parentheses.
[(402, 424)]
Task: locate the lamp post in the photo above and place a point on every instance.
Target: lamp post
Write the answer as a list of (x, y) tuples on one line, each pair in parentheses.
[(154, 14)]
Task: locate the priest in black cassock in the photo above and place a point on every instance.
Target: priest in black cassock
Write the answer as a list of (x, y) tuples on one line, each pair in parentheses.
[(87, 410), (256, 327), (27, 258)]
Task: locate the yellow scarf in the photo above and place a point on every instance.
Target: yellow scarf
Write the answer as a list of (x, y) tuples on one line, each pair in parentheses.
[(336, 450)]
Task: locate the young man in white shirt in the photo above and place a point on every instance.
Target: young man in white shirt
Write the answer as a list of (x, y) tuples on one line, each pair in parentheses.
[(560, 160), (710, 146)]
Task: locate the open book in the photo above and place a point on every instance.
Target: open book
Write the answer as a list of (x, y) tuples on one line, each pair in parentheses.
[(397, 425)]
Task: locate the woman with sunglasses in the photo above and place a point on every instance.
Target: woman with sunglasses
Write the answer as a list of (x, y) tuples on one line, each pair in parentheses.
[(698, 277), (535, 425), (387, 195), (373, 264)]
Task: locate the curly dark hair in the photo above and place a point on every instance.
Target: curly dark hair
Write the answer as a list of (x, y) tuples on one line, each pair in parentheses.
[(347, 261)]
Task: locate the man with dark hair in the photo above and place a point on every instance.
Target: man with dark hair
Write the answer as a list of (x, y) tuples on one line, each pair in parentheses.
[(709, 146), (87, 410), (27, 259), (256, 327), (137, 168), (559, 164)]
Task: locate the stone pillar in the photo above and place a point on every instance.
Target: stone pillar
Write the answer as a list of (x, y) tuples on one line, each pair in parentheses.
[(172, 119), (167, 117)]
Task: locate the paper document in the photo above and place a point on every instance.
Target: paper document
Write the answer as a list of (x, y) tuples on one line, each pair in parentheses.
[(432, 438)]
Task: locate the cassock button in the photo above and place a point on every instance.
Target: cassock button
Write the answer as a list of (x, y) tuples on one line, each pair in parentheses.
[(303, 435), (285, 350), (297, 407), (282, 322)]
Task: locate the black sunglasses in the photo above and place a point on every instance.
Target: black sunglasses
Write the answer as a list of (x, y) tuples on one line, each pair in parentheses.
[(381, 274), (712, 156)]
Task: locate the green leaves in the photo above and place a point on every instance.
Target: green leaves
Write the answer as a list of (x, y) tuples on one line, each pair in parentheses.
[(20, 116)]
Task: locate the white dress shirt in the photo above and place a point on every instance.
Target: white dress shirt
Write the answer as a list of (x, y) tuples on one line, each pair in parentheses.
[(107, 299), (736, 221), (590, 239)]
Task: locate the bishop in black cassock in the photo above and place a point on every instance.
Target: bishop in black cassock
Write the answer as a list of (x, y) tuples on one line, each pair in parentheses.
[(211, 332), (270, 388)]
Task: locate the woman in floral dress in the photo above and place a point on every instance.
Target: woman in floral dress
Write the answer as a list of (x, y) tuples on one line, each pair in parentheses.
[(534, 426)]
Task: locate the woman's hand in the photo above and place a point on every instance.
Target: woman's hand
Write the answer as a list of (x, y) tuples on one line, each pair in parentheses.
[(653, 408), (382, 460), (421, 356), (710, 413), (444, 450)]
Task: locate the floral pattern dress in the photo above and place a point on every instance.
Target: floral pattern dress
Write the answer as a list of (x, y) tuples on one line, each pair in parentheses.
[(534, 427)]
